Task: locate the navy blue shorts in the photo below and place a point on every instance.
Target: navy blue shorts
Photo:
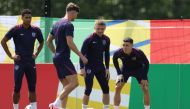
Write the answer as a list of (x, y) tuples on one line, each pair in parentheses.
[(136, 73), (64, 67), (27, 68)]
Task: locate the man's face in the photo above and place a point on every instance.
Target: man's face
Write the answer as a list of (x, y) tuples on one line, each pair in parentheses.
[(99, 29), (127, 46), (73, 15), (26, 18)]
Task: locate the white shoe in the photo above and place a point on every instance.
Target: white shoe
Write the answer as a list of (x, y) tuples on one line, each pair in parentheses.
[(28, 107), (51, 106)]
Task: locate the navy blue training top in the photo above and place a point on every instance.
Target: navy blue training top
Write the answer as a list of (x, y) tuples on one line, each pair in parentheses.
[(61, 29), (132, 62), (96, 49), (24, 39)]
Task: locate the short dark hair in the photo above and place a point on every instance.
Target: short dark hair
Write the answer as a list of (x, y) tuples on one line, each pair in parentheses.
[(72, 7), (100, 22), (128, 39), (26, 11)]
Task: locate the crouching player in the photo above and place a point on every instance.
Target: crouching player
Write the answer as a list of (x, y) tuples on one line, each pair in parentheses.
[(135, 64)]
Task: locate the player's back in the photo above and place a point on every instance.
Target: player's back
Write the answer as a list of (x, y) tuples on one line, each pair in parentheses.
[(60, 31)]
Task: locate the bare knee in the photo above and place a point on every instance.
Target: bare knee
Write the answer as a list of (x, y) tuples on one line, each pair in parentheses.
[(117, 95), (74, 84), (118, 89), (145, 89)]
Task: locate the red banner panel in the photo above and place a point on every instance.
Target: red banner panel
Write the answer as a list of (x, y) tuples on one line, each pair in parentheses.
[(170, 41), (47, 84)]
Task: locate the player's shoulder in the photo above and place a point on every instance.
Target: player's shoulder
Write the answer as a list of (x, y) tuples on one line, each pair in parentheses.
[(106, 37), (66, 23), (35, 28), (90, 37), (118, 51), (18, 26), (137, 51), (62, 23)]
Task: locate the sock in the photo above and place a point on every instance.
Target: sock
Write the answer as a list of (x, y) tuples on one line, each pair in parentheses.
[(84, 106), (15, 106), (106, 106), (116, 107), (57, 102), (147, 107), (33, 105)]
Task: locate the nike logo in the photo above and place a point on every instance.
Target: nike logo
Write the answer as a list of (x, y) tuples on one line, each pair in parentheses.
[(22, 34), (94, 42)]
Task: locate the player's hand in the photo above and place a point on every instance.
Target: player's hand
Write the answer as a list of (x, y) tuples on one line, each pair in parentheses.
[(34, 56), (15, 57), (82, 72), (84, 59), (144, 83), (119, 79), (107, 74)]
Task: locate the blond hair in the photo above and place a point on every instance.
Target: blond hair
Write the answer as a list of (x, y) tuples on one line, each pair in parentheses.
[(100, 22)]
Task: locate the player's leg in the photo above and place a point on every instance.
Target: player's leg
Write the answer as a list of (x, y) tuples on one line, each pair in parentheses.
[(72, 84), (117, 95), (67, 71), (64, 101), (60, 73), (145, 89), (62, 98), (71, 77), (88, 87), (102, 80), (146, 97), (30, 73), (18, 75), (118, 88)]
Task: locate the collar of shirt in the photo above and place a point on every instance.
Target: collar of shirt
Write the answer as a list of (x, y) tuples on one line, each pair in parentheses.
[(96, 36), (22, 25), (132, 52)]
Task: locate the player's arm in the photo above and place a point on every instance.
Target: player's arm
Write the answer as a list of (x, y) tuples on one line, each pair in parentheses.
[(84, 49), (50, 43), (73, 47), (119, 78), (41, 43), (69, 37), (107, 59), (116, 63), (11, 33), (5, 47), (145, 64), (107, 55), (39, 48)]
